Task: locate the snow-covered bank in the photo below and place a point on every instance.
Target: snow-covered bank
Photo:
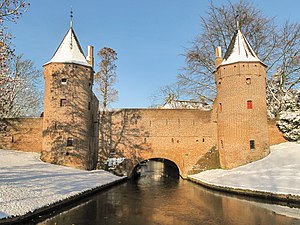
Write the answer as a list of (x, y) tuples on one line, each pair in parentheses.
[(277, 173), (27, 183)]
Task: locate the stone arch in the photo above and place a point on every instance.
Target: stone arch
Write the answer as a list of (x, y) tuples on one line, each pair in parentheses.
[(131, 169)]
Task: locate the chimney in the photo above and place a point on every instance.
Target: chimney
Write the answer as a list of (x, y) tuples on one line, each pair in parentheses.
[(90, 55), (219, 58)]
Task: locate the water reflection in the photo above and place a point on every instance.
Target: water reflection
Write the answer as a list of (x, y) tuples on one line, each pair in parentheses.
[(155, 199)]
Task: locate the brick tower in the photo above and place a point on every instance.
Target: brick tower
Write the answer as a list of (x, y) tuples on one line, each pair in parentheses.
[(70, 123), (241, 104)]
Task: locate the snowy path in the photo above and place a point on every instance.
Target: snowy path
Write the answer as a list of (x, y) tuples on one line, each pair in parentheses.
[(278, 173), (27, 183)]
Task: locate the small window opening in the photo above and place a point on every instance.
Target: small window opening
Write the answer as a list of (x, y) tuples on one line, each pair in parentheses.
[(64, 81), (248, 80), (145, 140), (220, 81), (203, 140), (70, 141), (89, 106), (67, 153), (220, 107), (172, 140), (249, 104), (63, 102), (12, 139), (252, 144)]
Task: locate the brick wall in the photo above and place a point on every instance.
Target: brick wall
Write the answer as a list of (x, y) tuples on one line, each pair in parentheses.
[(68, 132), (275, 135), (180, 135), (24, 134), (238, 124)]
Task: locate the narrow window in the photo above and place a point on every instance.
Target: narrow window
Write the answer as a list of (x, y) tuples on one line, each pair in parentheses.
[(220, 107), (249, 104), (63, 102), (203, 140), (145, 140), (248, 80), (64, 81), (89, 106), (252, 144), (70, 141)]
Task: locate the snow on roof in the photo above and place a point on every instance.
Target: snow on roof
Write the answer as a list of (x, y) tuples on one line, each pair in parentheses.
[(239, 50), (185, 104), (69, 51)]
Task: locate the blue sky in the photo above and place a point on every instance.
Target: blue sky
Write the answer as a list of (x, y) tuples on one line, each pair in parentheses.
[(149, 36)]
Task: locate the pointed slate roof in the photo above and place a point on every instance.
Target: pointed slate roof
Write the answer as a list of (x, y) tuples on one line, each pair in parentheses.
[(69, 51), (239, 50)]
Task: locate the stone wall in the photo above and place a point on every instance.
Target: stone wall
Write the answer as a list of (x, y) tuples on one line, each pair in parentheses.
[(24, 134)]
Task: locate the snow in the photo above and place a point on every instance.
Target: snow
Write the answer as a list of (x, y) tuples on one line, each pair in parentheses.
[(241, 51), (69, 51), (27, 183), (278, 173)]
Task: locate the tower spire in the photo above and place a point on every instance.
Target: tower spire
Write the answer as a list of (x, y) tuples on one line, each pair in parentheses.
[(237, 18), (71, 18)]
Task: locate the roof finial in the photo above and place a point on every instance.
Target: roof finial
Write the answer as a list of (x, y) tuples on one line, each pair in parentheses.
[(71, 18), (237, 18)]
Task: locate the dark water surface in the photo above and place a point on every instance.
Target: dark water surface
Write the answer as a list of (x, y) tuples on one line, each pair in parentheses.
[(154, 199)]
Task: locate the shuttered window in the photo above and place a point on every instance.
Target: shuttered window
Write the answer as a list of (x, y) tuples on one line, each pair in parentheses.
[(249, 104)]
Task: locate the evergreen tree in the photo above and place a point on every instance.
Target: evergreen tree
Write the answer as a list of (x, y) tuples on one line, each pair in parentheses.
[(289, 122)]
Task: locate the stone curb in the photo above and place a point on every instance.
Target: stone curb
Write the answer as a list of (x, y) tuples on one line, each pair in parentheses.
[(286, 198), (57, 205)]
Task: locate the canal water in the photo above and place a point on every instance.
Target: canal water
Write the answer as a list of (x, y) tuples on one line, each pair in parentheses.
[(155, 199)]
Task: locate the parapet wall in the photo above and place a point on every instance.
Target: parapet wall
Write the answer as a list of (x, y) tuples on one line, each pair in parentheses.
[(23, 134)]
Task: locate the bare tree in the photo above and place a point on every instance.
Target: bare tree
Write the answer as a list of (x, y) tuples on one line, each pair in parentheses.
[(275, 46), (10, 11), (105, 78), (218, 28), (25, 96)]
